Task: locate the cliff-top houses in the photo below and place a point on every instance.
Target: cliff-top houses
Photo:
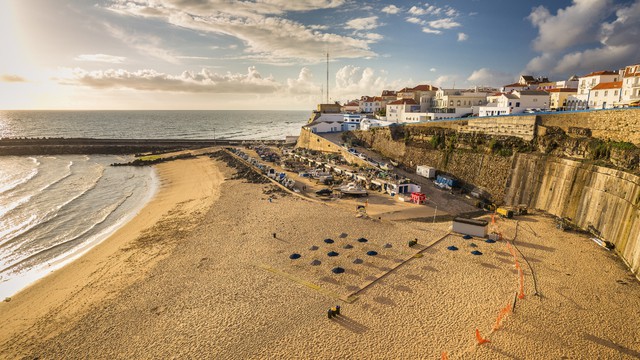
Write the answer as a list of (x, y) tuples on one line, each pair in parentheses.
[(597, 90)]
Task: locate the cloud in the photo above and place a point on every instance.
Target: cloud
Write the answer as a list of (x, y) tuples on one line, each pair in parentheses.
[(353, 82), (367, 23), (489, 77), (145, 44), (588, 43), (431, 31), (373, 36), (258, 25), (432, 69), (101, 58), (12, 78), (391, 9), (577, 24), (462, 37), (417, 11), (304, 84), (415, 20), (446, 23), (204, 81)]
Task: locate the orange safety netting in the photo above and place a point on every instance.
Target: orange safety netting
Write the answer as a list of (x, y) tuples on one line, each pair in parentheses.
[(480, 339)]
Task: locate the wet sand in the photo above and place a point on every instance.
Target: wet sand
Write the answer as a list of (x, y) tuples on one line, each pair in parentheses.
[(217, 284)]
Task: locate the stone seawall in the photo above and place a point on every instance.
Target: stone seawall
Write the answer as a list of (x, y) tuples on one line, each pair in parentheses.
[(593, 197), (614, 125)]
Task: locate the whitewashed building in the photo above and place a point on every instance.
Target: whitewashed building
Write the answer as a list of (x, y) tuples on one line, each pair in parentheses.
[(396, 109), (516, 102), (581, 100), (630, 92), (371, 104), (605, 95)]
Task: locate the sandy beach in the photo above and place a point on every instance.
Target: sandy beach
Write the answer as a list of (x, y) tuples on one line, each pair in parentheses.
[(200, 274)]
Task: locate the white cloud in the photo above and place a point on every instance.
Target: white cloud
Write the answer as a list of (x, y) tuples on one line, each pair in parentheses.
[(101, 58), (149, 45), (257, 25), (462, 37), (446, 23), (374, 36), (431, 31), (391, 9), (415, 20), (432, 69), (489, 77), (367, 23), (204, 81), (609, 45), (304, 84), (353, 82), (417, 11), (573, 25)]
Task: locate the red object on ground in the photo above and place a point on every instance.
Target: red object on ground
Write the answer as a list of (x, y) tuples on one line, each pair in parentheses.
[(418, 198), (480, 339)]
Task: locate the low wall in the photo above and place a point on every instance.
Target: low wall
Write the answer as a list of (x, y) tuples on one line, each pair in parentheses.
[(311, 141)]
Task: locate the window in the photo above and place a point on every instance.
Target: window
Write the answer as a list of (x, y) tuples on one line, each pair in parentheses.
[(596, 94), (458, 102), (535, 100), (517, 104), (606, 92), (615, 93), (451, 103)]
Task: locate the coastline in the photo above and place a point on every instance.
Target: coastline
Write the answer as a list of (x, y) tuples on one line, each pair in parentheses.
[(214, 282), (185, 187), (31, 276)]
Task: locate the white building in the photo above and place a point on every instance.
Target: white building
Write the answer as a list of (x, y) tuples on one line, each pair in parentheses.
[(351, 122), (371, 104), (516, 103), (630, 92), (605, 95), (326, 123), (396, 109), (581, 101)]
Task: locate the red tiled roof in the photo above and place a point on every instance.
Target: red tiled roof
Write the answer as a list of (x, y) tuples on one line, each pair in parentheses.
[(516, 85), (604, 72), (608, 85), (352, 103), (562, 90), (425, 88), (403, 102)]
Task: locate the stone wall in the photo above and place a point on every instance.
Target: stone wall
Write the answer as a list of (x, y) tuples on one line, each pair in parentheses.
[(311, 141), (523, 127), (615, 124), (604, 199)]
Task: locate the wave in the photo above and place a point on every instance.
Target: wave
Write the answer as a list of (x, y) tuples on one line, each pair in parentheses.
[(12, 185), (106, 212), (48, 217), (7, 208)]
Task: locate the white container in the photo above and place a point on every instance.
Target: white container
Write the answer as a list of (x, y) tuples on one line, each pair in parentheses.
[(426, 171)]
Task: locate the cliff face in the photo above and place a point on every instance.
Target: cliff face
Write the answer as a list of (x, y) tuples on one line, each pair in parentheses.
[(582, 166)]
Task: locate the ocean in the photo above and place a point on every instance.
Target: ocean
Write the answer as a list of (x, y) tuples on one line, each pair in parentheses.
[(55, 208)]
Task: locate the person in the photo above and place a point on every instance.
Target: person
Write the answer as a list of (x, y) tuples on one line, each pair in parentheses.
[(270, 199)]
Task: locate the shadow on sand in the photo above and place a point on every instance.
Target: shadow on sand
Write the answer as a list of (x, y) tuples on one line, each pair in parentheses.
[(350, 324)]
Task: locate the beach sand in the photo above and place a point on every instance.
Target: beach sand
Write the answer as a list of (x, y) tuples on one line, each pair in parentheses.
[(218, 284)]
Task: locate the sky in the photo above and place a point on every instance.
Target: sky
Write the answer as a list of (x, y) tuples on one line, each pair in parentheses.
[(271, 54)]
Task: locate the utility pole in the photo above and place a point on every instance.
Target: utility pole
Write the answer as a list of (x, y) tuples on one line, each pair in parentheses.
[(327, 77)]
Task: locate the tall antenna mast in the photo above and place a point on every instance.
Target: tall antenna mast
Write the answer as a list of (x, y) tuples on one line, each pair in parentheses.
[(327, 77)]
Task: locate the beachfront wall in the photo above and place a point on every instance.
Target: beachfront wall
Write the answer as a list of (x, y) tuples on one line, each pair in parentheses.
[(604, 200), (311, 141)]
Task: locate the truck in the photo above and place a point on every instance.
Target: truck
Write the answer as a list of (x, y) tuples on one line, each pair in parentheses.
[(504, 212), (426, 171)]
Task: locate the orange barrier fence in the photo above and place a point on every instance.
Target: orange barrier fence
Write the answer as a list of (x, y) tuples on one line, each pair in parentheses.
[(480, 339)]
